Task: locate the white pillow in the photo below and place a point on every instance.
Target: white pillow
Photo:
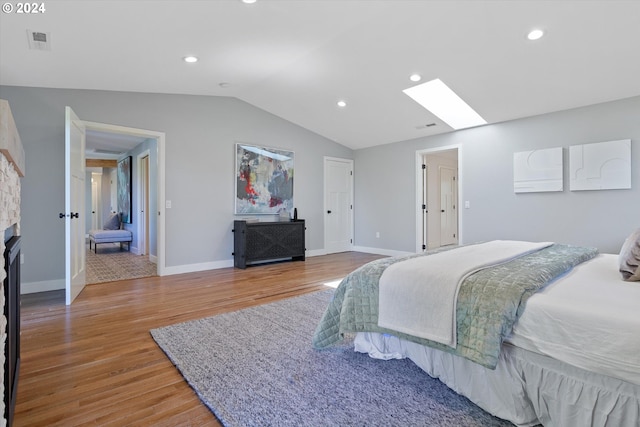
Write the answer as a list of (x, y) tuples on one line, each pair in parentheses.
[(629, 258)]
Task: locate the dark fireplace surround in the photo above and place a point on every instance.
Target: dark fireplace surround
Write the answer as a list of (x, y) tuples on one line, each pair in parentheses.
[(12, 314)]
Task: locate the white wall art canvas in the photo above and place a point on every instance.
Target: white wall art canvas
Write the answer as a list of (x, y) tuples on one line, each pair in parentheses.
[(537, 170), (600, 166)]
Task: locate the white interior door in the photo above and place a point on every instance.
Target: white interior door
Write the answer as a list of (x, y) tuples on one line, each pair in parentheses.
[(96, 199), (448, 201), (74, 192), (143, 236), (113, 207), (338, 190)]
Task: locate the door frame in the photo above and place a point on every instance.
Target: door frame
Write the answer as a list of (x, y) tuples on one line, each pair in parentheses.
[(160, 174), (350, 162), (419, 192)]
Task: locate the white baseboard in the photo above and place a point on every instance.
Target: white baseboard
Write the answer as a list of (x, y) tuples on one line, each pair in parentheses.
[(192, 268), (53, 285), (378, 251), (315, 252), (44, 286), (214, 265)]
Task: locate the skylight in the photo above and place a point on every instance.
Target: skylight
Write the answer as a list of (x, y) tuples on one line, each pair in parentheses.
[(436, 97)]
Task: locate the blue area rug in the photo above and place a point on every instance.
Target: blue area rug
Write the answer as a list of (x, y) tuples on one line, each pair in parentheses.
[(256, 367)]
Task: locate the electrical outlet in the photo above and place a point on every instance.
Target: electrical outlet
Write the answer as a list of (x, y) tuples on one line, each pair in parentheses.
[(377, 234), (167, 204)]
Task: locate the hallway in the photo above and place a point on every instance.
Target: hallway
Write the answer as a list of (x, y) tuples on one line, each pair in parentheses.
[(111, 264)]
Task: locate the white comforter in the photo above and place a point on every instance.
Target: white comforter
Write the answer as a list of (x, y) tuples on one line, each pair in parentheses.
[(418, 296), (589, 318)]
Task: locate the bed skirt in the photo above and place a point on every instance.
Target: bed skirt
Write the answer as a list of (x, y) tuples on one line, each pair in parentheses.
[(526, 388)]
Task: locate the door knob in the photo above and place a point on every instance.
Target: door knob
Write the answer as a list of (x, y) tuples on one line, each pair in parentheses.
[(74, 215), (328, 211), (61, 215), (442, 211)]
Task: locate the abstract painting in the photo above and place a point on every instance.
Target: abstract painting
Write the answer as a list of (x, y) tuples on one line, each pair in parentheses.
[(124, 189), (600, 166), (264, 180)]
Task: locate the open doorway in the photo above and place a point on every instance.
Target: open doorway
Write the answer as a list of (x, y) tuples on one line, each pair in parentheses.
[(437, 197), (146, 149)]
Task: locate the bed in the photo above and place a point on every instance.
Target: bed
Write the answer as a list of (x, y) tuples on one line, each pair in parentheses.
[(548, 335)]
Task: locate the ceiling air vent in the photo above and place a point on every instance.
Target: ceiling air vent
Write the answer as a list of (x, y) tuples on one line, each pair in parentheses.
[(103, 151), (428, 125), (39, 40)]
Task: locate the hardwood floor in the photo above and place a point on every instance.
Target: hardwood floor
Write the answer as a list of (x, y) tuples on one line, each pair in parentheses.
[(95, 363)]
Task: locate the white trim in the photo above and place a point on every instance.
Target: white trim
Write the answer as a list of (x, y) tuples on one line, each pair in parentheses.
[(44, 286), (160, 205), (59, 284), (193, 268), (52, 285), (215, 265), (379, 251), (315, 252), (160, 138), (418, 198)]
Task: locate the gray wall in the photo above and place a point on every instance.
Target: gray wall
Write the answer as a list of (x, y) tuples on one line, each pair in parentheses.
[(385, 185), (201, 132), (200, 135)]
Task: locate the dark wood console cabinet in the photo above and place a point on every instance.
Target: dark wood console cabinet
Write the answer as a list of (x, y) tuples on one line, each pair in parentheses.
[(265, 241)]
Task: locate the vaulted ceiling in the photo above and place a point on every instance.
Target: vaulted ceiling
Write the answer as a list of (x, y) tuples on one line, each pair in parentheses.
[(297, 58)]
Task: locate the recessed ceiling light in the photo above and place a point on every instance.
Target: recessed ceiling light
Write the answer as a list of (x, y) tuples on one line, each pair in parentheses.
[(535, 34), (436, 97), (249, 1), (190, 59), (415, 77), (342, 104), (224, 85)]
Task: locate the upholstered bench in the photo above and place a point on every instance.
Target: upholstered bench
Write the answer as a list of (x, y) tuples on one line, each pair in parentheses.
[(111, 233), (110, 236)]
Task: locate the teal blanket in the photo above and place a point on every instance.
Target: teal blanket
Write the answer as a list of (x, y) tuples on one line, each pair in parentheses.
[(489, 301)]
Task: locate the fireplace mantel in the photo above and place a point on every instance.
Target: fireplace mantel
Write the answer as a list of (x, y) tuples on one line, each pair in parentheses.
[(10, 143)]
